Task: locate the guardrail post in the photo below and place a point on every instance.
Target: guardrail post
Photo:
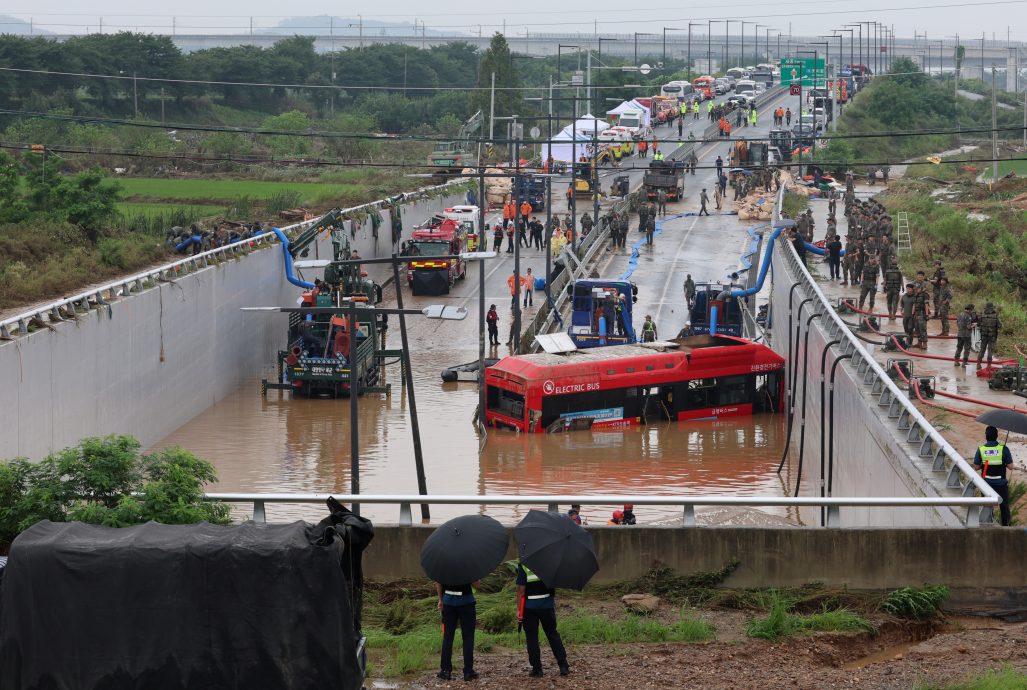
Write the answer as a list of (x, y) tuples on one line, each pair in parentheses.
[(554, 508), (405, 517), (258, 512), (23, 326), (981, 515), (834, 516), (952, 481), (688, 516)]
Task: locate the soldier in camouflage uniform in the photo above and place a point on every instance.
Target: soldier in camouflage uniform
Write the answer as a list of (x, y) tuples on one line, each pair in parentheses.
[(887, 256), (943, 303), (939, 273), (921, 312), (990, 326), (964, 328), (849, 264), (908, 302), (893, 287), (868, 286)]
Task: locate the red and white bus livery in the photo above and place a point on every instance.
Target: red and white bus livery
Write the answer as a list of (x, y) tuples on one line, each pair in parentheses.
[(699, 377)]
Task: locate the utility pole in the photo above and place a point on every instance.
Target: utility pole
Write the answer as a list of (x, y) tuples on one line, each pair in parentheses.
[(135, 93), (994, 130), (492, 110)]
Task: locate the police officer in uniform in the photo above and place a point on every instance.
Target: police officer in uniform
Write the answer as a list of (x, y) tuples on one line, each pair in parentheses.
[(964, 326), (537, 606), (458, 606), (990, 325), (991, 459)]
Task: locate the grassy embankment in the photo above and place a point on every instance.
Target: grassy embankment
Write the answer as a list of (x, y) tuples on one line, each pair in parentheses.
[(40, 260), (985, 259), (401, 620)]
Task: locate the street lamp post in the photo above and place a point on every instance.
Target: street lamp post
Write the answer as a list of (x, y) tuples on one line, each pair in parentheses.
[(665, 30), (709, 43), (688, 67), (756, 44), (643, 33)]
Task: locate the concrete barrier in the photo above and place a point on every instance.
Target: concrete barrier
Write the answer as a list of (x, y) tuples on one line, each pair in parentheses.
[(147, 363), (867, 559), (882, 445)]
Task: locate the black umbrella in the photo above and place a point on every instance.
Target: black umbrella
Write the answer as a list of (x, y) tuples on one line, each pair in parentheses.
[(556, 549), (465, 549), (1010, 420)]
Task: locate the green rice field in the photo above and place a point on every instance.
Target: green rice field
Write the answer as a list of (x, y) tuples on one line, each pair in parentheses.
[(225, 192)]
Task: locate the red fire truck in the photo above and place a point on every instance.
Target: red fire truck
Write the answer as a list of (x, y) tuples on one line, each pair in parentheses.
[(615, 387), (440, 236)]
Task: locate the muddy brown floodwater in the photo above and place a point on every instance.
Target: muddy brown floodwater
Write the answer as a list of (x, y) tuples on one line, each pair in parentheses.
[(297, 445)]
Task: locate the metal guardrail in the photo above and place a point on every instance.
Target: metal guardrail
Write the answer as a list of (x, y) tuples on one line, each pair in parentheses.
[(930, 444), (69, 307), (688, 504)]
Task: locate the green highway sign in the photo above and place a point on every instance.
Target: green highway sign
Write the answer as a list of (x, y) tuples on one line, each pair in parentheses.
[(805, 71)]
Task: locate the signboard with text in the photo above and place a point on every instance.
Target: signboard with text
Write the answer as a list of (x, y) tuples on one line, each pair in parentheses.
[(807, 71)]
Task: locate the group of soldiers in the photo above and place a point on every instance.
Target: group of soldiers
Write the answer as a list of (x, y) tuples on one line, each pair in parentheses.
[(760, 179), (870, 252), (197, 239)]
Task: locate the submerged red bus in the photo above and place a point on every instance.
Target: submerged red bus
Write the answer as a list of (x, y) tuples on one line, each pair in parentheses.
[(699, 377)]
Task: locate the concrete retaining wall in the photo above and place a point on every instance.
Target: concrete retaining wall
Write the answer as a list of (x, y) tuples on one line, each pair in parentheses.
[(156, 359), (872, 559), (871, 457)]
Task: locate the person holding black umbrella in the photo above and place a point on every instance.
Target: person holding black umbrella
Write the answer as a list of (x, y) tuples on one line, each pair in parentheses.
[(537, 606), (462, 550), (991, 460), (458, 606)]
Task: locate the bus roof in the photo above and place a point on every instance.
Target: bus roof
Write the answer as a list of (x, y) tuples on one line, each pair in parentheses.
[(702, 356)]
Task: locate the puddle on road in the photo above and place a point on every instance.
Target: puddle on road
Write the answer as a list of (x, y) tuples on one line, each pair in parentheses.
[(297, 445)]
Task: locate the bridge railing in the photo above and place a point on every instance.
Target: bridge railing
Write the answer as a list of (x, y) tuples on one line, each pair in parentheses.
[(552, 503), (68, 308), (926, 441)]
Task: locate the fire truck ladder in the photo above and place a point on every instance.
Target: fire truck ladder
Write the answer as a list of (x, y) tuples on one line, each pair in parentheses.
[(904, 243)]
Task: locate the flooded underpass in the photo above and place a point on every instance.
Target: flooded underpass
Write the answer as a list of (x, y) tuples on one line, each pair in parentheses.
[(283, 444)]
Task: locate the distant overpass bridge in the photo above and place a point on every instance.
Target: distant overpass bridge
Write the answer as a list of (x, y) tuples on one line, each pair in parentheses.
[(937, 54)]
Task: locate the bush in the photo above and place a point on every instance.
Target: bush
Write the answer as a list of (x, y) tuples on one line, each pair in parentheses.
[(919, 603), (498, 619), (106, 481)]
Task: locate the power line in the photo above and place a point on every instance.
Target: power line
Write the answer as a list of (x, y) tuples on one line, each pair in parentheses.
[(332, 162), (665, 20), (318, 134)]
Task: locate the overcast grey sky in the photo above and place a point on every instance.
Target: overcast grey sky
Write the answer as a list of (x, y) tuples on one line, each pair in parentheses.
[(940, 19)]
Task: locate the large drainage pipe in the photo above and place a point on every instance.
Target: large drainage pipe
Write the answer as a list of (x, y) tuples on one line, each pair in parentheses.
[(793, 364), (802, 424), (287, 259)]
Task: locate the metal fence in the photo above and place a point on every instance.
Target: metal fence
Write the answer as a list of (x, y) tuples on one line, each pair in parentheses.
[(552, 503), (929, 450), (69, 307)]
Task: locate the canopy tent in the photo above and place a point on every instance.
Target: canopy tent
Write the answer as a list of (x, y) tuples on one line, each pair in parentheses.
[(632, 107), (588, 125), (564, 149)]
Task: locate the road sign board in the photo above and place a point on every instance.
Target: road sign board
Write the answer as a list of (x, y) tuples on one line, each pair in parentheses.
[(795, 89), (806, 70)]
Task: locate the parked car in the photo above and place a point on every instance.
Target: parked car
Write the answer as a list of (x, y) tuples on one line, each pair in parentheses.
[(721, 86), (821, 118), (803, 134)]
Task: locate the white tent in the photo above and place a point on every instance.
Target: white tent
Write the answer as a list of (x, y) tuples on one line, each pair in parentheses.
[(631, 107), (588, 125), (564, 149)]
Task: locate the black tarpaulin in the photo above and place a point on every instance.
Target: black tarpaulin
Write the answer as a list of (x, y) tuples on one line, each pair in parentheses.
[(158, 606)]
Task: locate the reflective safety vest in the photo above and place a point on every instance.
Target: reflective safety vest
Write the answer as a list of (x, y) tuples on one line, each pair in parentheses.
[(695, 107), (535, 588), (658, 156), (991, 456), (709, 106)]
